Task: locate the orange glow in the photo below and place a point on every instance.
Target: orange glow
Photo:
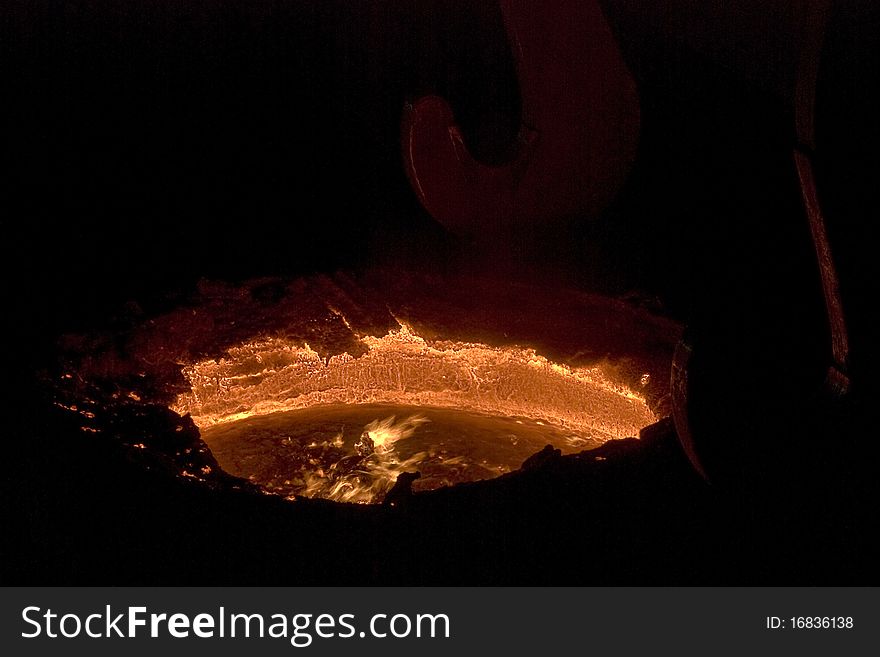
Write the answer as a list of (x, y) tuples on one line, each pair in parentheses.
[(572, 408), (464, 411), (326, 393), (273, 375)]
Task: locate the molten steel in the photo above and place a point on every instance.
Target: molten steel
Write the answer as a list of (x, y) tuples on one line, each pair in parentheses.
[(345, 428)]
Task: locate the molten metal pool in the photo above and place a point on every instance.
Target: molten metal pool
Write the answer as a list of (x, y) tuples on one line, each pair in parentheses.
[(337, 388), (346, 427)]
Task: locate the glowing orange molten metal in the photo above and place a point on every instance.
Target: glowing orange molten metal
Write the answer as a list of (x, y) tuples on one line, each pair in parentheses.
[(273, 374)]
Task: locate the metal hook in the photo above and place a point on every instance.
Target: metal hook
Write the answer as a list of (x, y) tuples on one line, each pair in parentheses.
[(577, 141)]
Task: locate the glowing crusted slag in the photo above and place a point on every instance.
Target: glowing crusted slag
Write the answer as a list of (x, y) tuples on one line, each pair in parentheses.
[(273, 374)]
